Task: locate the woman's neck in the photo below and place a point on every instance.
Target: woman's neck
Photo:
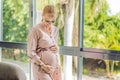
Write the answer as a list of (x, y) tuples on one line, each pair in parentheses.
[(47, 29)]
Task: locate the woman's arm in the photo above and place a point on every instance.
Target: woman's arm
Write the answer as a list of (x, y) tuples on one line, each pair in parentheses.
[(32, 45)]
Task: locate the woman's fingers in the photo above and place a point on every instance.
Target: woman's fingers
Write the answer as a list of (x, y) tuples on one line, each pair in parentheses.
[(48, 69), (53, 48)]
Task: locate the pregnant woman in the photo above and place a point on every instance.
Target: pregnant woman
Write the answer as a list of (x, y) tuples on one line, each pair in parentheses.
[(43, 48)]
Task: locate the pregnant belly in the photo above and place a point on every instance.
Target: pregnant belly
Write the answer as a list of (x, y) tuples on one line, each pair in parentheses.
[(49, 58)]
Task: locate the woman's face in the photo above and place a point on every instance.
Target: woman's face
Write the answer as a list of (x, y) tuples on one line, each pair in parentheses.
[(48, 19)]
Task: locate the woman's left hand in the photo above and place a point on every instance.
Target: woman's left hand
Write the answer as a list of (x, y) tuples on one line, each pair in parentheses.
[(53, 48)]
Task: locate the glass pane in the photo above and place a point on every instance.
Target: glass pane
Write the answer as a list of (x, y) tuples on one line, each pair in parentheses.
[(71, 70), (74, 68), (97, 69), (101, 24), (15, 20), (16, 56), (66, 19)]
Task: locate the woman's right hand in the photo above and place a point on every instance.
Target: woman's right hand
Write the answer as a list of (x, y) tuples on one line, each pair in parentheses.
[(47, 68)]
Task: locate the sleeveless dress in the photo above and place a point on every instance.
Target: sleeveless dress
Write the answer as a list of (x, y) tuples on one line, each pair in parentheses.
[(38, 39)]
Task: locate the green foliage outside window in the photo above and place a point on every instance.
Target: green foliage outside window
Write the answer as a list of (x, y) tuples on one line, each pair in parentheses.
[(100, 29), (15, 20)]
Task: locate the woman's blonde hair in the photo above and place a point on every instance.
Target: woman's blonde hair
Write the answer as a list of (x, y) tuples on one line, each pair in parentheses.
[(49, 9)]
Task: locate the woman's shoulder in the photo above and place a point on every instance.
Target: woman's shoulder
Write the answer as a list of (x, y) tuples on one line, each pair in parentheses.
[(55, 28), (35, 28)]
